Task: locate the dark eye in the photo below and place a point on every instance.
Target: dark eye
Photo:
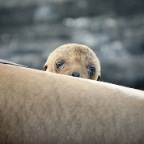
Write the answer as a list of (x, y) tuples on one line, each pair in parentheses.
[(59, 64), (91, 70)]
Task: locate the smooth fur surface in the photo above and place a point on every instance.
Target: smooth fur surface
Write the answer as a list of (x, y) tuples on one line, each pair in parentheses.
[(78, 60), (38, 107)]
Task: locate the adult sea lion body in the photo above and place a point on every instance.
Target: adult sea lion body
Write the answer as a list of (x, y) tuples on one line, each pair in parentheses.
[(37, 107)]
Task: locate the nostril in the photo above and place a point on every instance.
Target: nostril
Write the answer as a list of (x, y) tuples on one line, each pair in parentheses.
[(75, 74)]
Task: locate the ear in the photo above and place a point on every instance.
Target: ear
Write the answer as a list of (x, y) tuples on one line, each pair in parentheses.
[(45, 66), (98, 78)]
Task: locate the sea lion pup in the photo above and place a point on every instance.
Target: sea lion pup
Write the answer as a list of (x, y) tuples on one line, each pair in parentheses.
[(74, 60)]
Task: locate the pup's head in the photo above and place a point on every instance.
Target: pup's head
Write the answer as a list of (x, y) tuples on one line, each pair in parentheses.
[(74, 60)]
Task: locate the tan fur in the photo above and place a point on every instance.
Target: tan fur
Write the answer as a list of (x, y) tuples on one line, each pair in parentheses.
[(77, 58), (37, 107)]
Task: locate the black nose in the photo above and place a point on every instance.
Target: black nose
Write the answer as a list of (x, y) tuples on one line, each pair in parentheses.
[(75, 74)]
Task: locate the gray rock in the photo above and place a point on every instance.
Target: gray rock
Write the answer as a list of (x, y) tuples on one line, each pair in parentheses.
[(30, 31)]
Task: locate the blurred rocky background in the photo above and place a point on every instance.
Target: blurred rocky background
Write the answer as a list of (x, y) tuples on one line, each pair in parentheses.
[(114, 29)]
